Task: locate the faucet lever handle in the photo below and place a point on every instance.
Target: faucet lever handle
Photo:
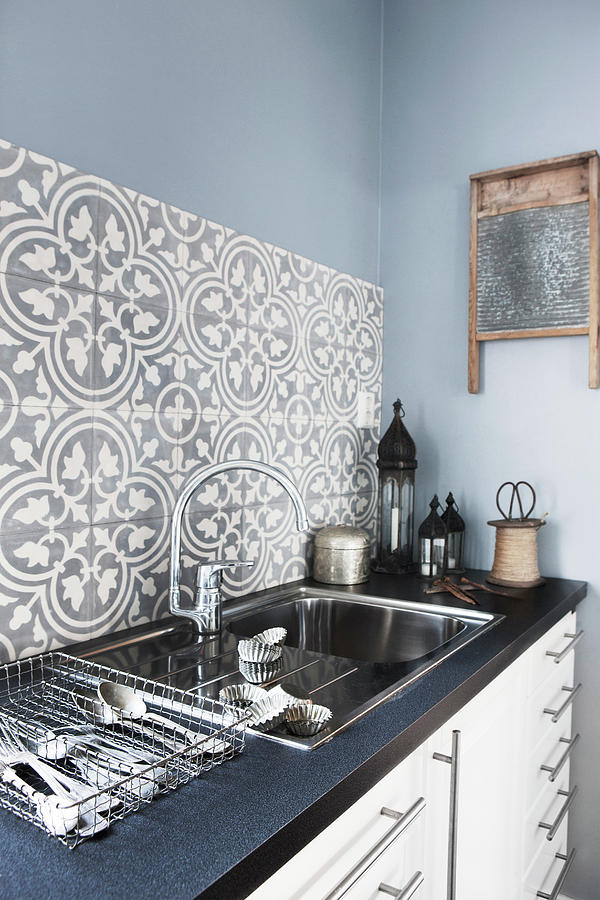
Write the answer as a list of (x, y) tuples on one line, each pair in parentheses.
[(208, 575)]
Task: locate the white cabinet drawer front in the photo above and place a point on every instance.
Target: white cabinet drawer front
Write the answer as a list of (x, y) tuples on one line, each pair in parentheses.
[(552, 695), (541, 665), (313, 872), (546, 759), (553, 806), (396, 868), (547, 868)]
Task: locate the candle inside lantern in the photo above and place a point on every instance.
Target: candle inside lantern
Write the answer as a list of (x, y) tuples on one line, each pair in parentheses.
[(394, 534)]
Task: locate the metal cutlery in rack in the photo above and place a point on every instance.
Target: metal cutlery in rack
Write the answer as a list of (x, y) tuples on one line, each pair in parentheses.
[(73, 763), (69, 804), (97, 758)]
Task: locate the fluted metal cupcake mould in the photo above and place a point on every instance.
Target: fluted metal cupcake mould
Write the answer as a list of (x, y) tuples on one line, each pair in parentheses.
[(255, 651), (39, 693)]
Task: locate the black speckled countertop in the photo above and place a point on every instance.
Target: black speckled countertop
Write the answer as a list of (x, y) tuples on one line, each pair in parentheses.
[(223, 834)]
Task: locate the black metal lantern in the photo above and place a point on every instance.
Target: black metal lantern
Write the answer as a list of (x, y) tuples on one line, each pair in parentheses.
[(455, 527), (433, 543), (396, 462)]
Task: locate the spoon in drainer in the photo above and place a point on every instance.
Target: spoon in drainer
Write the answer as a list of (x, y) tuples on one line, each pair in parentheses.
[(125, 704), (98, 711), (100, 714)]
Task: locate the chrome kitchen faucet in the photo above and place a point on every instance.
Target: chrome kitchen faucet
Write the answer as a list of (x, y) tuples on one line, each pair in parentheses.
[(206, 611)]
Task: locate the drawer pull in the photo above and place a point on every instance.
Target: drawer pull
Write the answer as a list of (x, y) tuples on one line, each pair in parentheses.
[(553, 828), (555, 771), (403, 820), (557, 713), (568, 862), (575, 638), (403, 893), (454, 762)]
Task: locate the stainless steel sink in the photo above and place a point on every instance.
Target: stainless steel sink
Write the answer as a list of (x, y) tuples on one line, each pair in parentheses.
[(357, 628), (346, 650)]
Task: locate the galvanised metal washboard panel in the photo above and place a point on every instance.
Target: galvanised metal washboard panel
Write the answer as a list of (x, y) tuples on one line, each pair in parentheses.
[(533, 269)]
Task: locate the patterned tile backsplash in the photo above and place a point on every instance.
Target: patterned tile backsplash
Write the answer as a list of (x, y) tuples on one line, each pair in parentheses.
[(140, 343)]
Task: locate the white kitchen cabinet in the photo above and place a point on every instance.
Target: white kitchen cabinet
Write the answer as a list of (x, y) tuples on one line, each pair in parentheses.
[(329, 860), (486, 757), (480, 799)]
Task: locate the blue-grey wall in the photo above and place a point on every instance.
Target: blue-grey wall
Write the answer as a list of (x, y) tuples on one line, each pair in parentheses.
[(259, 114), (469, 86)]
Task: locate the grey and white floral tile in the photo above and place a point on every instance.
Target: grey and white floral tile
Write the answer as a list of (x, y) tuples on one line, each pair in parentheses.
[(45, 471), (213, 535), (139, 247), (129, 564), (336, 386), (361, 511), (48, 215), (213, 364), (134, 464), (319, 327), (136, 355), (359, 469), (323, 511), (301, 280), (269, 307), (271, 357), (218, 277), (205, 440), (300, 448), (45, 590), (46, 341), (359, 323), (372, 299), (326, 474), (297, 392), (339, 374), (272, 541), (204, 246)]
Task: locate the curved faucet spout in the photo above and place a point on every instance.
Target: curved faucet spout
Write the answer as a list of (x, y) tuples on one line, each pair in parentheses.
[(189, 489)]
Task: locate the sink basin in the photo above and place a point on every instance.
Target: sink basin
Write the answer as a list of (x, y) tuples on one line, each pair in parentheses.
[(355, 629), (344, 649)]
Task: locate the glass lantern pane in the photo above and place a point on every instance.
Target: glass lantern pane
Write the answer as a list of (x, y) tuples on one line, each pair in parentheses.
[(438, 555), (454, 549), (390, 516), (425, 557), (406, 523)]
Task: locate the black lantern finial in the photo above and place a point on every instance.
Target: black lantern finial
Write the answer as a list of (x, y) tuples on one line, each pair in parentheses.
[(396, 461)]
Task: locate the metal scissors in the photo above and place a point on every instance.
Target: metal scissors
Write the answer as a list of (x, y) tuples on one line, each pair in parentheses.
[(515, 495)]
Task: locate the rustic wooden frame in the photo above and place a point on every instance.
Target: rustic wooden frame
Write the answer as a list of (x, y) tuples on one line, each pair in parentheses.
[(549, 182)]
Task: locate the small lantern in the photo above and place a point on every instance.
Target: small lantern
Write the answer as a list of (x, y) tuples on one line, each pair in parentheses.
[(396, 462), (433, 543), (456, 531)]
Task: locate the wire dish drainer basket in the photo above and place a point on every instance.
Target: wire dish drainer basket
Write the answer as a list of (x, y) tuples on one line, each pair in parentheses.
[(42, 697)]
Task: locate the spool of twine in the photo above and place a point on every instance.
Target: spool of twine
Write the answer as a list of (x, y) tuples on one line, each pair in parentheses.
[(516, 555)]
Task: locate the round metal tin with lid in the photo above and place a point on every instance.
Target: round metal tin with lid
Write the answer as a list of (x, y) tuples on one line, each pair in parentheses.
[(342, 555)]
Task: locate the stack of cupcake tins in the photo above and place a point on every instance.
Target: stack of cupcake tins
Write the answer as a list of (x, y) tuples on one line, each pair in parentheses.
[(260, 656)]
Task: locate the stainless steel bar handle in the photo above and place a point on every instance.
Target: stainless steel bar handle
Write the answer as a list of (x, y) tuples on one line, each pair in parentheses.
[(407, 891), (454, 761), (559, 656), (557, 713), (554, 826), (568, 860), (554, 771), (403, 820)]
